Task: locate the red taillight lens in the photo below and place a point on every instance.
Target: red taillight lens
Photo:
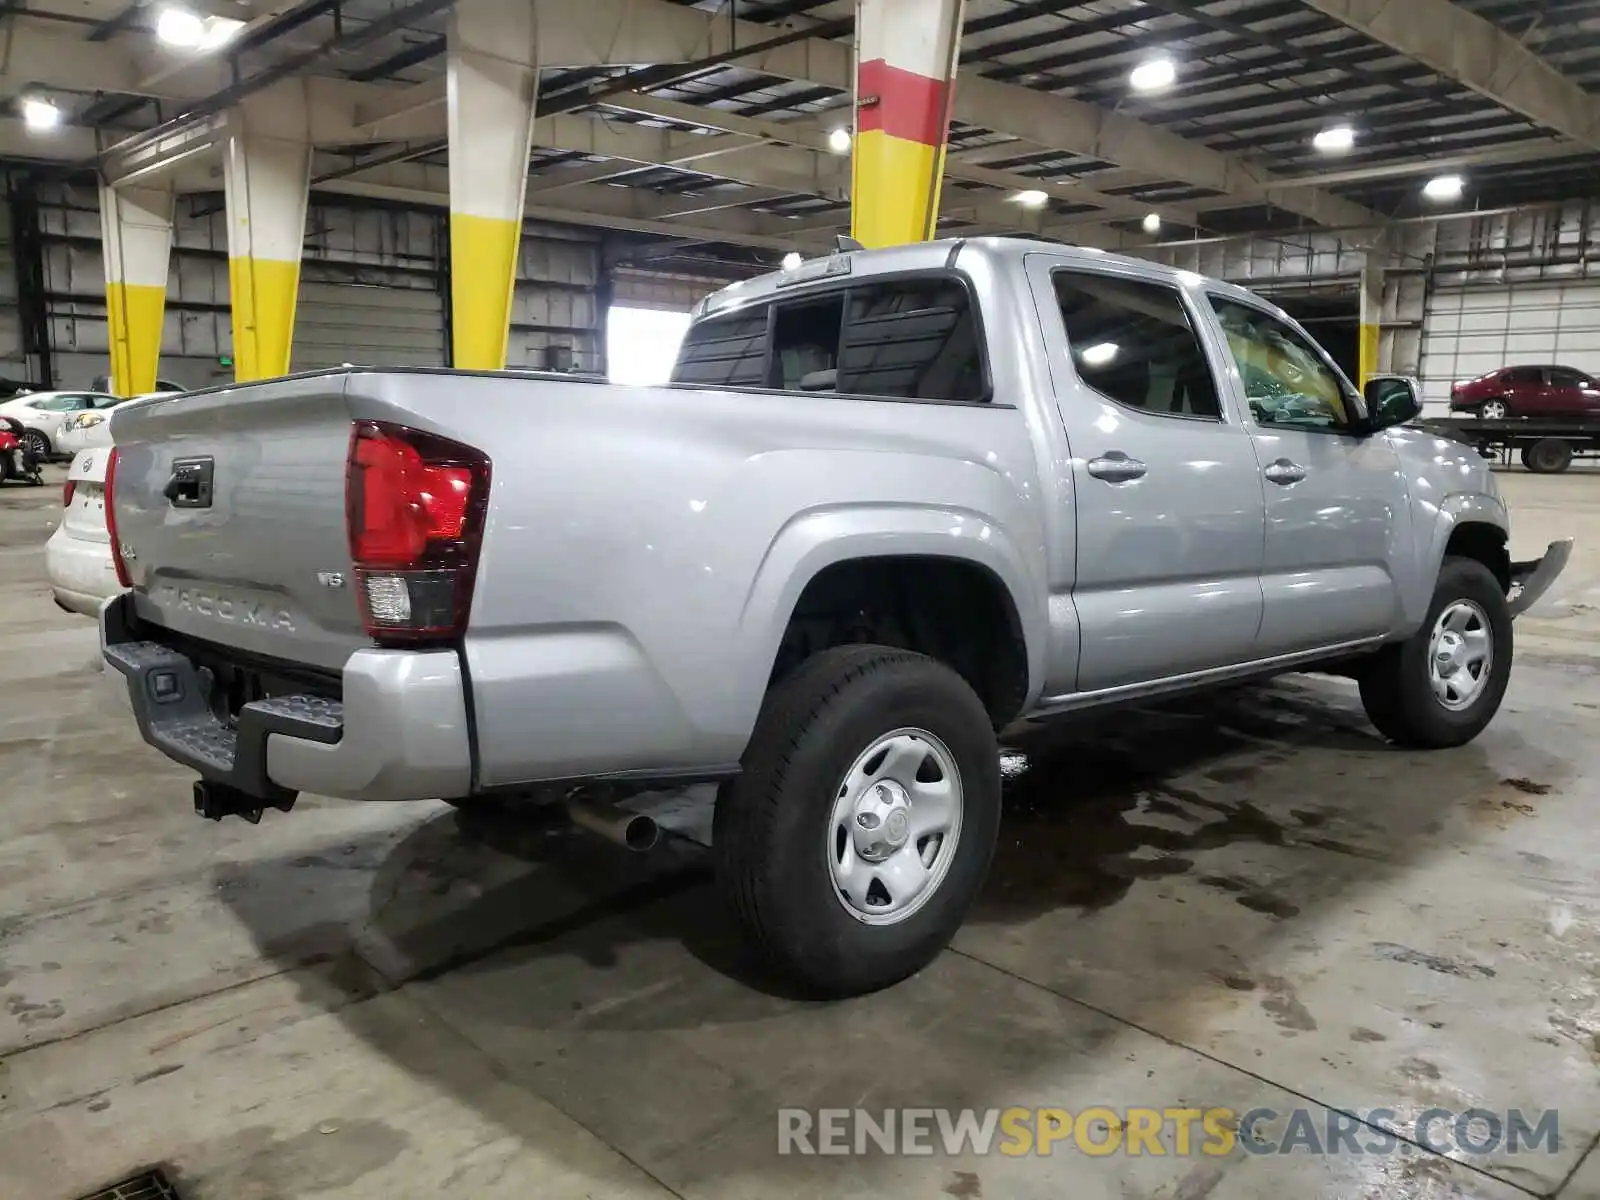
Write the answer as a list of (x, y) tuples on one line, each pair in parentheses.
[(123, 577), (415, 505), (67, 489)]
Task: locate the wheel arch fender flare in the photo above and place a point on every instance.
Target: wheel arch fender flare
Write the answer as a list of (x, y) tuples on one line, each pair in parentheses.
[(822, 537), (1456, 510)]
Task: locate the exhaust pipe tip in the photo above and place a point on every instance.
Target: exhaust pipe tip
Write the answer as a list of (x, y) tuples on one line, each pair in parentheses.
[(630, 830)]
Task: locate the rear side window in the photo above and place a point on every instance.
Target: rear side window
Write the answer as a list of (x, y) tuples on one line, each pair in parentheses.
[(726, 351), (916, 339), (1566, 377), (1132, 342)]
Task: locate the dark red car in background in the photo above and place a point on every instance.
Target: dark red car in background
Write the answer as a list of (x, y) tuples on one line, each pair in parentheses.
[(1528, 392)]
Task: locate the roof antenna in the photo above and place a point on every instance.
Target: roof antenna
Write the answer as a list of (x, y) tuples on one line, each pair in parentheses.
[(846, 244)]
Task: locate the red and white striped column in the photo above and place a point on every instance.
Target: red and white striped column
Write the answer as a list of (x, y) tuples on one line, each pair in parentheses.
[(906, 52)]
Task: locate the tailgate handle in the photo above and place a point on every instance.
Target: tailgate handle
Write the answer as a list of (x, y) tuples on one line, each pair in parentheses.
[(190, 484)]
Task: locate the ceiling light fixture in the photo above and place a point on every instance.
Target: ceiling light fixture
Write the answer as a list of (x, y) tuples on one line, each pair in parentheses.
[(177, 26), (1152, 223), (1099, 354), (792, 260), (1153, 75), (1444, 187), (1335, 139), (839, 141), (40, 114), (1032, 198)]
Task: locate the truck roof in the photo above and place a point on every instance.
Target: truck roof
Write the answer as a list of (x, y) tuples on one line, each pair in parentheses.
[(932, 256)]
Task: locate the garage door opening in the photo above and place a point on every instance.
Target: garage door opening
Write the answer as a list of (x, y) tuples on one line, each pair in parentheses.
[(642, 343)]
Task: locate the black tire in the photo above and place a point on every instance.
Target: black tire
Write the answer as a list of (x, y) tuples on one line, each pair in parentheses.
[(1395, 687), (770, 835), (36, 443), (1548, 456)]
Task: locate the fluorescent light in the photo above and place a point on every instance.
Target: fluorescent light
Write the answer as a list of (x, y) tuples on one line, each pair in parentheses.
[(1335, 139), (40, 114), (1152, 223), (1099, 354), (1444, 187), (180, 27), (1153, 75), (839, 141), (1032, 198), (792, 260)]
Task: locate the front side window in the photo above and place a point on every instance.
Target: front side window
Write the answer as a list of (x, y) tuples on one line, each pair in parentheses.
[(1132, 342), (1286, 381), (728, 351), (1529, 376)]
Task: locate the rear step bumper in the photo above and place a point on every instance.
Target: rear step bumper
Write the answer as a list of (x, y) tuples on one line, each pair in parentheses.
[(400, 732)]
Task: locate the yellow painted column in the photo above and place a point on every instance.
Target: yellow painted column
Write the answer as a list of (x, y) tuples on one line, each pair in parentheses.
[(136, 239), (267, 183), (1371, 313), (492, 78), (906, 54)]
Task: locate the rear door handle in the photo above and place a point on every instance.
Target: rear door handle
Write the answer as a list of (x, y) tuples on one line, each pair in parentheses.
[(1284, 472), (1116, 467)]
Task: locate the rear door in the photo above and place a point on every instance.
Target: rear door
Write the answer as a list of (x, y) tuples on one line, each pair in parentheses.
[(1337, 510), (1168, 498)]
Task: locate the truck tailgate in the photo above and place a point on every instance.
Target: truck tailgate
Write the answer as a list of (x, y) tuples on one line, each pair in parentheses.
[(230, 507)]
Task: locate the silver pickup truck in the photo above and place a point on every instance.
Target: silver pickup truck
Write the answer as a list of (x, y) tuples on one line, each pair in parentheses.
[(893, 503)]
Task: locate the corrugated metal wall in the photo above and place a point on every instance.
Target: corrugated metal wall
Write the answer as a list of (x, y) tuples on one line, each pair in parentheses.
[(13, 362), (373, 291)]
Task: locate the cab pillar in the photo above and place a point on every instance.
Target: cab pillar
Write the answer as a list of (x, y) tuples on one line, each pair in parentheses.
[(492, 75), (267, 182), (136, 233), (906, 52)]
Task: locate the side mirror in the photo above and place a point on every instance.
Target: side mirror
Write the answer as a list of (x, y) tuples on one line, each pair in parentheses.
[(1391, 400)]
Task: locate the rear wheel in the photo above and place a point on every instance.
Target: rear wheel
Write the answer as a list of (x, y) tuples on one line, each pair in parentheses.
[(38, 445), (1548, 456), (1497, 409), (860, 832), (1444, 683)]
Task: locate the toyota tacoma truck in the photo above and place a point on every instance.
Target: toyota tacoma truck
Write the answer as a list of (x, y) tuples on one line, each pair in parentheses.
[(892, 503)]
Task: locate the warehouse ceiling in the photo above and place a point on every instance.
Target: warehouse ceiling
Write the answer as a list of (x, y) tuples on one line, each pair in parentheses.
[(718, 133)]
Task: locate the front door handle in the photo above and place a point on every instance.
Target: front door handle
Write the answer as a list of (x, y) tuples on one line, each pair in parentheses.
[(1116, 467), (1284, 472)]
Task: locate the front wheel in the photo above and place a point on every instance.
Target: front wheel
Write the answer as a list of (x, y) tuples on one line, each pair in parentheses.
[(860, 831), (1495, 410), (1444, 683), (37, 444)]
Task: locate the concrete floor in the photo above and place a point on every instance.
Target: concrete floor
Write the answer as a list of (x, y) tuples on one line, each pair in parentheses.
[(1246, 901)]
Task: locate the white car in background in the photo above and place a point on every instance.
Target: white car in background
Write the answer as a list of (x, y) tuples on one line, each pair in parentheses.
[(90, 427), (42, 414), (78, 555)]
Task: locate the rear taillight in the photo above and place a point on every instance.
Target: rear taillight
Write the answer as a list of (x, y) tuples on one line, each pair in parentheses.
[(67, 489), (414, 505), (123, 577)]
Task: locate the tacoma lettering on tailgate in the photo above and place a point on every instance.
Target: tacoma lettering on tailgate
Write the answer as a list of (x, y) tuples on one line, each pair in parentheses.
[(221, 607)]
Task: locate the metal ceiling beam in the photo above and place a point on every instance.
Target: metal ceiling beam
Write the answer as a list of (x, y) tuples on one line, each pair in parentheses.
[(1463, 46), (1051, 121), (812, 134), (1529, 152)]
